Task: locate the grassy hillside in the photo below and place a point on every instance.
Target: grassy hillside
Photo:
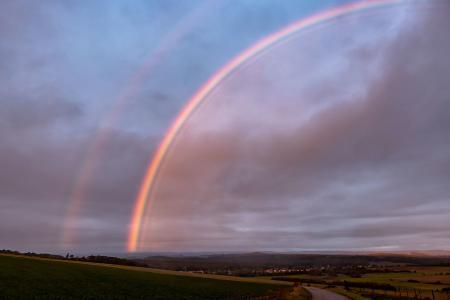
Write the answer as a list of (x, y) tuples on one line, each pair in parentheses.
[(25, 278)]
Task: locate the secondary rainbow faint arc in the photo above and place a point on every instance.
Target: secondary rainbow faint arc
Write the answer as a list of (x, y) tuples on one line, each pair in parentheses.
[(105, 130), (196, 100)]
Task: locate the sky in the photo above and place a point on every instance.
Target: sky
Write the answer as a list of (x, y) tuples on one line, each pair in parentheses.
[(335, 139)]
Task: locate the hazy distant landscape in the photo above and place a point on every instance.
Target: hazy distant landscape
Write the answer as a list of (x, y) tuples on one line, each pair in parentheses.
[(225, 276)]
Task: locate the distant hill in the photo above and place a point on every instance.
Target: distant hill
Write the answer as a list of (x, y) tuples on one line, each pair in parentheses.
[(440, 253), (261, 260)]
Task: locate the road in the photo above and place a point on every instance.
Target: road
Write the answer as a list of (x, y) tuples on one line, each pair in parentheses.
[(321, 294)]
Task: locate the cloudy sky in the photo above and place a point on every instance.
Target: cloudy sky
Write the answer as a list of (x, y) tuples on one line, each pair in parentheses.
[(336, 139)]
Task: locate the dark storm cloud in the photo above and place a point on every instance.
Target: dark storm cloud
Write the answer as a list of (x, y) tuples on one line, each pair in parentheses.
[(375, 166)]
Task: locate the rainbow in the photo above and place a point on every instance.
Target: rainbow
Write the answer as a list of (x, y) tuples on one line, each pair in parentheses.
[(197, 99), (96, 147)]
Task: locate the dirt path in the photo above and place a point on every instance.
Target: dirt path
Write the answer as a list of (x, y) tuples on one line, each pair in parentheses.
[(321, 294)]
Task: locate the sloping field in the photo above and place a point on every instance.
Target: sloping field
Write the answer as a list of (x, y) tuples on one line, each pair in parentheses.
[(29, 278)]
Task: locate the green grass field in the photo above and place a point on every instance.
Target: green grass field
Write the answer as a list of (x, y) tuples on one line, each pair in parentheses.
[(415, 281), (28, 278), (348, 294), (426, 277)]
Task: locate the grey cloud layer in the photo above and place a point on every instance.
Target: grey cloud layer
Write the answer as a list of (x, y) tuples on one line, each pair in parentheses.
[(367, 169), (332, 140)]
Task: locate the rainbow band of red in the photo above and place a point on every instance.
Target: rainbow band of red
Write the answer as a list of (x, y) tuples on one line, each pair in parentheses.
[(196, 100)]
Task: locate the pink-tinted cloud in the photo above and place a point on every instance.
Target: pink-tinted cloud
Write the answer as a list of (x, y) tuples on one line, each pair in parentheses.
[(356, 157)]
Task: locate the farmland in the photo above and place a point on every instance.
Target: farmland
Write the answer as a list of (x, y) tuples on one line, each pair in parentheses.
[(408, 282), (25, 278), (406, 276), (247, 276)]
